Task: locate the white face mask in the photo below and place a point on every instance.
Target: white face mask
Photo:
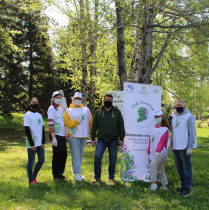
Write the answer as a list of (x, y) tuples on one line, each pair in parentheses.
[(57, 100), (77, 102), (158, 120)]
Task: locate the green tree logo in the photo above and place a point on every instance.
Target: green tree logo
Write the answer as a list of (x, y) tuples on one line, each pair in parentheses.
[(143, 114)]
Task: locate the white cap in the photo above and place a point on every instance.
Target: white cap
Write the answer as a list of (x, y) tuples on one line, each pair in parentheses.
[(158, 113), (77, 94), (55, 94)]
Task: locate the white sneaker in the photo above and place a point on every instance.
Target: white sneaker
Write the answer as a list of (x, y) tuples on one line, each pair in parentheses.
[(163, 188), (78, 177), (82, 177), (153, 187)]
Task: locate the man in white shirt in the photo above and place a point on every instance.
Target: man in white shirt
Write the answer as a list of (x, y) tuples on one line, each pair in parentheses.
[(183, 141)]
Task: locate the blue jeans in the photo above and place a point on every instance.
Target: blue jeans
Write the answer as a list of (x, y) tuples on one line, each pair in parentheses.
[(183, 164), (100, 149), (77, 146), (31, 158)]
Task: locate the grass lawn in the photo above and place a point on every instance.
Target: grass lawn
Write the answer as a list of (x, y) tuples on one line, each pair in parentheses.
[(15, 193)]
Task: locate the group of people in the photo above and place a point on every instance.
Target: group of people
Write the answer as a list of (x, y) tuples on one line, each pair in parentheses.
[(76, 123), (183, 141)]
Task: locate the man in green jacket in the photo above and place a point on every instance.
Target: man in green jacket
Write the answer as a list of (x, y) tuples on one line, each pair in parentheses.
[(108, 126)]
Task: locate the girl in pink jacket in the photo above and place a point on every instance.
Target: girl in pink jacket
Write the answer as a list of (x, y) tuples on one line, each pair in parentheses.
[(158, 150)]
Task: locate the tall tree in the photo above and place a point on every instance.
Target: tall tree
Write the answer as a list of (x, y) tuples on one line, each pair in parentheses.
[(164, 20)]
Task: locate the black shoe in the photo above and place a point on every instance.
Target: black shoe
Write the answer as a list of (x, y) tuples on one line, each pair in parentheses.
[(185, 193), (59, 177), (180, 189)]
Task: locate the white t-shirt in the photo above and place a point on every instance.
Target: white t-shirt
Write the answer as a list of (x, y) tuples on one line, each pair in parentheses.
[(58, 118), (35, 122), (82, 129)]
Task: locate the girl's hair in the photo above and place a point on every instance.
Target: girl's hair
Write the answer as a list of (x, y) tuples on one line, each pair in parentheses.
[(165, 123), (31, 98)]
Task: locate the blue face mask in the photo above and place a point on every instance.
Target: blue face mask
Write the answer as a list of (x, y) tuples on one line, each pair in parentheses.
[(77, 102)]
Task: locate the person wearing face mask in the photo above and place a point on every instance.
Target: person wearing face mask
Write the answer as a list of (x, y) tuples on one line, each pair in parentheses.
[(108, 126), (183, 141), (158, 150), (78, 120), (35, 139), (57, 134)]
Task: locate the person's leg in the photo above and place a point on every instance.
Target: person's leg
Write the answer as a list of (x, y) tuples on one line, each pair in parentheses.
[(179, 166), (31, 159), (41, 159), (82, 146), (187, 166), (75, 153), (113, 149), (63, 157), (56, 160), (100, 148), (161, 170)]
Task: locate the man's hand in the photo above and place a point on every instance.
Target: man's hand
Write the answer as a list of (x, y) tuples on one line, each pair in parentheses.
[(93, 143), (121, 143), (157, 154), (33, 147), (54, 142), (42, 146), (189, 151)]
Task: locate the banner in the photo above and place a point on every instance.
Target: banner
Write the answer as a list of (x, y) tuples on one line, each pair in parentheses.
[(117, 99), (140, 102)]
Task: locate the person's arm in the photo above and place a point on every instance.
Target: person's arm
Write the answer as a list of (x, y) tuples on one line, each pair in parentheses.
[(68, 122), (94, 129), (90, 123), (163, 142), (29, 136), (148, 150), (121, 127), (191, 126), (43, 136)]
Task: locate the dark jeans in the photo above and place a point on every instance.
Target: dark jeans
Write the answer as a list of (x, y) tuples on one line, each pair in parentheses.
[(100, 149), (183, 164), (59, 157), (31, 158)]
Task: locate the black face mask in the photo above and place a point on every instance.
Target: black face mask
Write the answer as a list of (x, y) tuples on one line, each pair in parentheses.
[(180, 109), (34, 106), (107, 104)]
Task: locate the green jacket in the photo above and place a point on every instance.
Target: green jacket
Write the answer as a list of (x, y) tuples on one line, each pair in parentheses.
[(108, 126)]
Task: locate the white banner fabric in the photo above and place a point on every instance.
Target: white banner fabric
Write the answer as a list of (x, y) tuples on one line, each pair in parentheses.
[(140, 102)]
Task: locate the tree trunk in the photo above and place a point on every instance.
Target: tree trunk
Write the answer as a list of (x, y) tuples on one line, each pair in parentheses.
[(84, 53), (142, 58), (93, 37), (121, 44), (31, 67)]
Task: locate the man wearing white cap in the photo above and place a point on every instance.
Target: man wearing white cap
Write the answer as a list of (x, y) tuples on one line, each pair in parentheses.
[(78, 120)]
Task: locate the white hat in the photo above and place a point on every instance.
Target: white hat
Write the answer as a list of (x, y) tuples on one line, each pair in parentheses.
[(158, 113), (77, 94), (55, 94)]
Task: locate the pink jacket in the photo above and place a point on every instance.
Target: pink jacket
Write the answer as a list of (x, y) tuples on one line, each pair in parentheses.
[(162, 143)]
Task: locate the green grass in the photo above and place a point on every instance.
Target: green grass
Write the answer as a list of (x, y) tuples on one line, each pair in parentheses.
[(15, 193)]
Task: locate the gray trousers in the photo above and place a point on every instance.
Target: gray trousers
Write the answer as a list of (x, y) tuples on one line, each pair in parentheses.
[(157, 167)]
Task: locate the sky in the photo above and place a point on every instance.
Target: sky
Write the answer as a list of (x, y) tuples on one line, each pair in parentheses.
[(53, 12)]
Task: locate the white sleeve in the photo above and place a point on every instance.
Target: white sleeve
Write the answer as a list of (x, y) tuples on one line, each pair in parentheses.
[(50, 113), (27, 120)]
